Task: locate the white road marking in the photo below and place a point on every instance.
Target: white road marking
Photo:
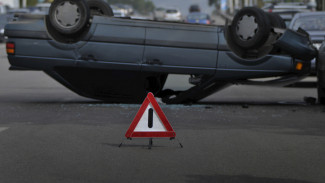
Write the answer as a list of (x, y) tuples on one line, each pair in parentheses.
[(3, 129)]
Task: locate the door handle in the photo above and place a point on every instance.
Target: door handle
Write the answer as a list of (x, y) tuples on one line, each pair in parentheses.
[(154, 62)]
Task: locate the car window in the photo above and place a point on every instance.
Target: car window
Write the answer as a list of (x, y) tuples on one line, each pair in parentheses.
[(160, 9), (171, 11), (198, 16), (310, 23)]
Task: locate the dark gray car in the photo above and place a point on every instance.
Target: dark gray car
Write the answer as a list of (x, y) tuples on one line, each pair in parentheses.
[(120, 60), (314, 24)]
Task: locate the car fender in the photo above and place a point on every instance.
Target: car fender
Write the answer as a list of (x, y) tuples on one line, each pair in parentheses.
[(297, 44)]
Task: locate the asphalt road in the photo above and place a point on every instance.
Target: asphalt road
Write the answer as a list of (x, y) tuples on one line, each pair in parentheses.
[(243, 134)]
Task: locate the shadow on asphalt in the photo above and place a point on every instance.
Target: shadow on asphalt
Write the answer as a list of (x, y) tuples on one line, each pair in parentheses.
[(239, 179), (131, 145), (241, 103), (262, 103)]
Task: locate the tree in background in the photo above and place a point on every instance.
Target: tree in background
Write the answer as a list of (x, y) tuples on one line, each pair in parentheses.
[(320, 5), (29, 2), (142, 6), (215, 3), (211, 2)]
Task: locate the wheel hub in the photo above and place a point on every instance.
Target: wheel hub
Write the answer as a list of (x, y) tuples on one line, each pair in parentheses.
[(247, 27), (67, 14)]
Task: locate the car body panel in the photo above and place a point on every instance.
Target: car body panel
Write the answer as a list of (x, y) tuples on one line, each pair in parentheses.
[(187, 61), (118, 34)]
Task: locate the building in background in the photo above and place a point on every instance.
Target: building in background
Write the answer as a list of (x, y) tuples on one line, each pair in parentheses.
[(10, 3), (232, 6)]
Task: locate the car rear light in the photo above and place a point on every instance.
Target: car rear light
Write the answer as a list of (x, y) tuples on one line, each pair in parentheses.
[(270, 10), (10, 48), (208, 22)]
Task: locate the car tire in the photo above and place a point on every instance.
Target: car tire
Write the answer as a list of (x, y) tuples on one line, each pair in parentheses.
[(276, 20), (250, 28), (69, 16), (100, 8)]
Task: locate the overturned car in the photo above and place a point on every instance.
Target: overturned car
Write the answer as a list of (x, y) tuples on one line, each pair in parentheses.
[(81, 45)]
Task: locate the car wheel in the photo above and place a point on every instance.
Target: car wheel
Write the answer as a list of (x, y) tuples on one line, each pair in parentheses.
[(100, 8), (276, 20), (250, 28), (69, 16)]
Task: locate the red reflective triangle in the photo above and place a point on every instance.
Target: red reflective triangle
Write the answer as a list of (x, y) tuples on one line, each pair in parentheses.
[(169, 130)]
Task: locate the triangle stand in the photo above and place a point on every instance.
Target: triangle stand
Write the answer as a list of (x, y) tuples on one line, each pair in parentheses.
[(151, 142), (150, 122)]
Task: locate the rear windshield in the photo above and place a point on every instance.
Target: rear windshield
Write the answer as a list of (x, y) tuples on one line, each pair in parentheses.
[(171, 11), (310, 23), (198, 16)]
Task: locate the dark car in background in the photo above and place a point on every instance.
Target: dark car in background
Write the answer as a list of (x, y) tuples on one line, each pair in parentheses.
[(194, 8), (288, 10), (14, 13), (314, 24), (3, 22), (198, 18)]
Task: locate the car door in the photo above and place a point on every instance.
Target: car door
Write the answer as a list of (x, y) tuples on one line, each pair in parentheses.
[(181, 49), (115, 44)]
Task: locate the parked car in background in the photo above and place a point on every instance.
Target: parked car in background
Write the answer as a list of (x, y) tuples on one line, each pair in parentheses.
[(282, 7), (3, 9), (14, 13), (41, 8), (159, 13), (314, 24), (3, 22), (119, 13), (194, 8), (129, 9), (288, 10), (173, 15), (198, 18), (125, 10)]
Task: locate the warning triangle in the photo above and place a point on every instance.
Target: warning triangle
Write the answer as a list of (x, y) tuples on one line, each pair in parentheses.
[(150, 121)]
